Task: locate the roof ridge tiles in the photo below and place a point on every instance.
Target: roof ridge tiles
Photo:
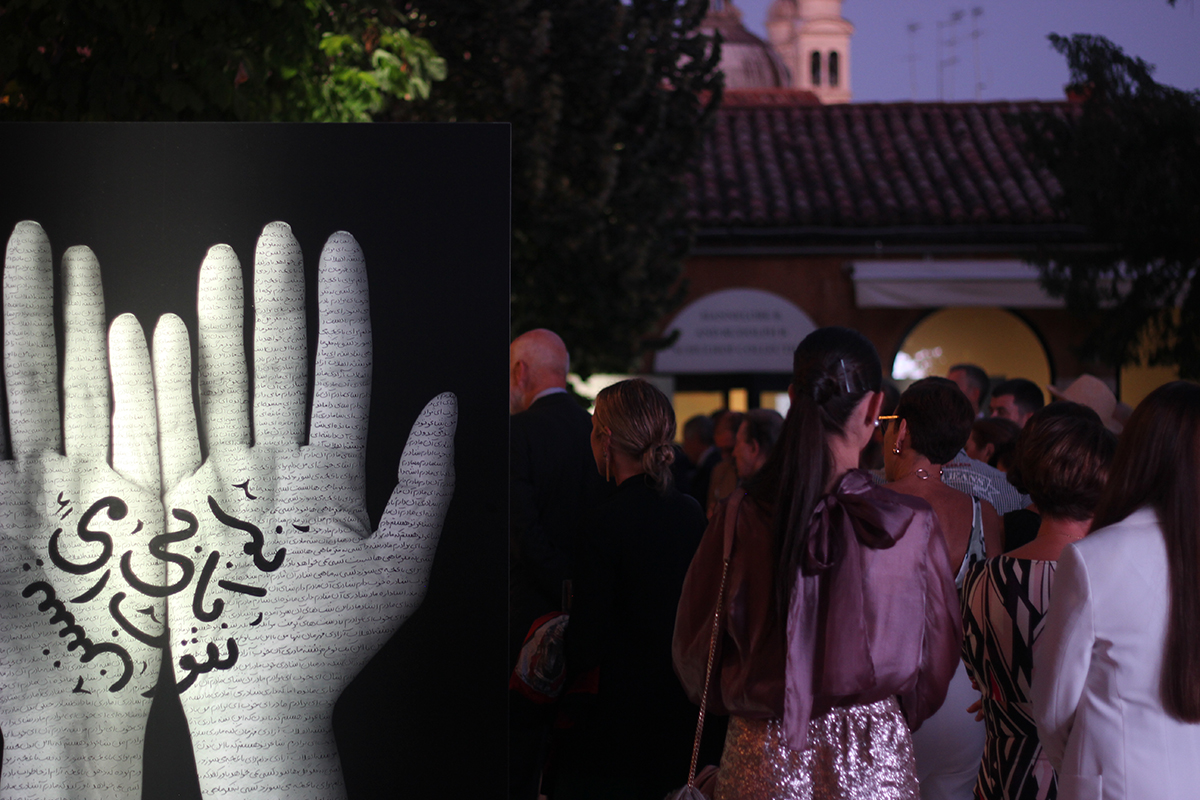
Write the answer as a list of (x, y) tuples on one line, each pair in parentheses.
[(916, 169), (1018, 181), (955, 149), (1039, 202), (876, 179), (927, 148), (983, 148), (771, 169), (843, 205), (823, 213), (777, 165), (906, 195), (855, 174), (727, 173), (744, 142), (801, 204)]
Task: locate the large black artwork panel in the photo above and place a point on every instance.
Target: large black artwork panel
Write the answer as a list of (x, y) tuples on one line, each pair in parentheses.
[(425, 211)]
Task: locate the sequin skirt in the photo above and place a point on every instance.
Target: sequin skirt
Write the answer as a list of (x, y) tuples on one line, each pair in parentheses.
[(854, 753)]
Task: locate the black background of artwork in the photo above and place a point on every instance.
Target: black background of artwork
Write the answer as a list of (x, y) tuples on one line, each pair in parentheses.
[(430, 206)]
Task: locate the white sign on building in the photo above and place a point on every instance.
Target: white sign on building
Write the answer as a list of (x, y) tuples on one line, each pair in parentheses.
[(735, 330)]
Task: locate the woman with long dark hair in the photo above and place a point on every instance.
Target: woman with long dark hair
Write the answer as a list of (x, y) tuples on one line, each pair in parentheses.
[(1116, 674), (839, 622)]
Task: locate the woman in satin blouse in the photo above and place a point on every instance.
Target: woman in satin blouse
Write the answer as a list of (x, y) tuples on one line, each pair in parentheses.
[(824, 667)]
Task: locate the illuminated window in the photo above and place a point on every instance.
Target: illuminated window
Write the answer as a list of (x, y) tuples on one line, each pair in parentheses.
[(995, 339)]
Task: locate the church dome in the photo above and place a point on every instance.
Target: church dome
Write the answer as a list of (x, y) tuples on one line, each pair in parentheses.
[(747, 61), (783, 10)]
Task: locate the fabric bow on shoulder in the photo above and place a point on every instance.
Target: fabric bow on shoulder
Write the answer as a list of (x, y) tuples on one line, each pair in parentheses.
[(856, 616)]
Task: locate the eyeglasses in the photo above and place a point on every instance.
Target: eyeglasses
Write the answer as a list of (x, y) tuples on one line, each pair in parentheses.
[(884, 418)]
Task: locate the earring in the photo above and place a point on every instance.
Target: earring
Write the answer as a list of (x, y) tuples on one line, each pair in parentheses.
[(896, 448), (876, 423)]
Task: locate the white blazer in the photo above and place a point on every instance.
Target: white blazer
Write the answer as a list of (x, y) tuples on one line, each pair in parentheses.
[(1096, 671)]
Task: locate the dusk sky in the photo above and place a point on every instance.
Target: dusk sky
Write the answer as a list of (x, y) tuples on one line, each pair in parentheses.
[(1015, 60)]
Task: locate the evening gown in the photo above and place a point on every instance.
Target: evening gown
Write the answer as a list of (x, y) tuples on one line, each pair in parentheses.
[(1005, 600)]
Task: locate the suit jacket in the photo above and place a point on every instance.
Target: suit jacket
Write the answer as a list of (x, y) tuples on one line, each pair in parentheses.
[(553, 485), (1097, 667)]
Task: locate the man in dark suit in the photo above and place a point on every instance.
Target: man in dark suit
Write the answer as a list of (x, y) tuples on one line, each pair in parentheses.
[(553, 485)]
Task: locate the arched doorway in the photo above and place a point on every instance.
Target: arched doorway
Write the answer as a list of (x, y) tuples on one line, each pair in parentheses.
[(995, 339)]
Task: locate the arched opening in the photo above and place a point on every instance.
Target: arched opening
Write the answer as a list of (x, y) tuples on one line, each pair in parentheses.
[(997, 340), (815, 68), (833, 68)]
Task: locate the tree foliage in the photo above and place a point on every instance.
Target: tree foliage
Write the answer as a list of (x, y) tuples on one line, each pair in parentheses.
[(608, 100), (1129, 165), (291, 60)]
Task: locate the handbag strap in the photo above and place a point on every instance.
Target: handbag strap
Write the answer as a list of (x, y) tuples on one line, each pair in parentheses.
[(731, 514)]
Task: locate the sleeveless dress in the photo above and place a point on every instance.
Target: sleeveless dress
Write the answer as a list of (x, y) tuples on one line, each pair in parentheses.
[(950, 744), (1004, 604)]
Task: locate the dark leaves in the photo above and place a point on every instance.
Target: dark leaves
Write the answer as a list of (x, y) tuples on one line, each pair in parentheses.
[(1129, 164)]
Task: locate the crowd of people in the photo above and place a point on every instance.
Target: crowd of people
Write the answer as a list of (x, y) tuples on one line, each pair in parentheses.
[(957, 592)]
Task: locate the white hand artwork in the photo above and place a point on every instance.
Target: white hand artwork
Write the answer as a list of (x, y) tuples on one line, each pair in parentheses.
[(292, 593), (82, 556)]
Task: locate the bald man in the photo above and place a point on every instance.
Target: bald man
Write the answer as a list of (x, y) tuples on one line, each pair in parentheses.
[(538, 363), (553, 486)]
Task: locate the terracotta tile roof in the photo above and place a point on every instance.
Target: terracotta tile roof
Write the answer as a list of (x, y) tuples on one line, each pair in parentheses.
[(775, 160)]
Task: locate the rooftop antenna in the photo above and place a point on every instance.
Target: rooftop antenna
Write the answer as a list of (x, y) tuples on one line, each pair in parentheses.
[(952, 44), (941, 64), (913, 27), (976, 13)]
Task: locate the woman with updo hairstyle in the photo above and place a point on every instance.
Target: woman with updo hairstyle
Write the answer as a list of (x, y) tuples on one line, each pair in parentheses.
[(1116, 672), (631, 735), (1063, 456), (839, 625), (633, 428)]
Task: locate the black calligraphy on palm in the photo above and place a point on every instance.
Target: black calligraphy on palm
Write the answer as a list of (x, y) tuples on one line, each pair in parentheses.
[(82, 614), (289, 591)]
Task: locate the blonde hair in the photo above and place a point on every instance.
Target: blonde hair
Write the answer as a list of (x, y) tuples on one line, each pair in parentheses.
[(641, 423)]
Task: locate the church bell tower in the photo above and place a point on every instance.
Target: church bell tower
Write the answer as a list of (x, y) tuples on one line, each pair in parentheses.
[(813, 39)]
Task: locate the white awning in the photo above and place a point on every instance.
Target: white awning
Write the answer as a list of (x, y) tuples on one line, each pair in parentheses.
[(927, 283)]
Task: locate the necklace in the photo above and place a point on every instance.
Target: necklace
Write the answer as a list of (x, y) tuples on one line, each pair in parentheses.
[(923, 475)]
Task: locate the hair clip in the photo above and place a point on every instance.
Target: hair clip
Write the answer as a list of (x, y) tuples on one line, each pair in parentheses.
[(845, 376)]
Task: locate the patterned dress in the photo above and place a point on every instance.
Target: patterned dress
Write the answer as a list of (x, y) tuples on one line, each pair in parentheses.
[(1004, 602)]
